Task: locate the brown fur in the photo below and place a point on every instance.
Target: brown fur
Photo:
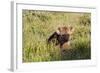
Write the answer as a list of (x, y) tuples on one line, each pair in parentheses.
[(63, 36)]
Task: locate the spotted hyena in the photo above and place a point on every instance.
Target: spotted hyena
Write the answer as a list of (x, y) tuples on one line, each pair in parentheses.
[(61, 37)]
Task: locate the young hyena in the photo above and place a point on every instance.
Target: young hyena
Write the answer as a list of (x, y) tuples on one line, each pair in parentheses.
[(61, 37)]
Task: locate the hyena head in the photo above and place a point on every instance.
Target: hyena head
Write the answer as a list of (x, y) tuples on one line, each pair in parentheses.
[(62, 36)]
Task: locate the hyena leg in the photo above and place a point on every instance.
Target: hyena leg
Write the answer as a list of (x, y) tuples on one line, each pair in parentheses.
[(65, 46)]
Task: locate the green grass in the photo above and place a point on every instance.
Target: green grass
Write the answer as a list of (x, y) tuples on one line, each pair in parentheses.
[(39, 25)]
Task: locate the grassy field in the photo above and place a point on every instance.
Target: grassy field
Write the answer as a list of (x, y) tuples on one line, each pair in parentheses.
[(39, 25)]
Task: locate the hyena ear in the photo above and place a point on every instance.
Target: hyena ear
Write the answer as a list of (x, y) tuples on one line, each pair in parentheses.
[(71, 30), (58, 30)]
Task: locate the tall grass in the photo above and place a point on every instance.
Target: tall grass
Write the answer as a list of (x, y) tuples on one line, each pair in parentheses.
[(39, 25)]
